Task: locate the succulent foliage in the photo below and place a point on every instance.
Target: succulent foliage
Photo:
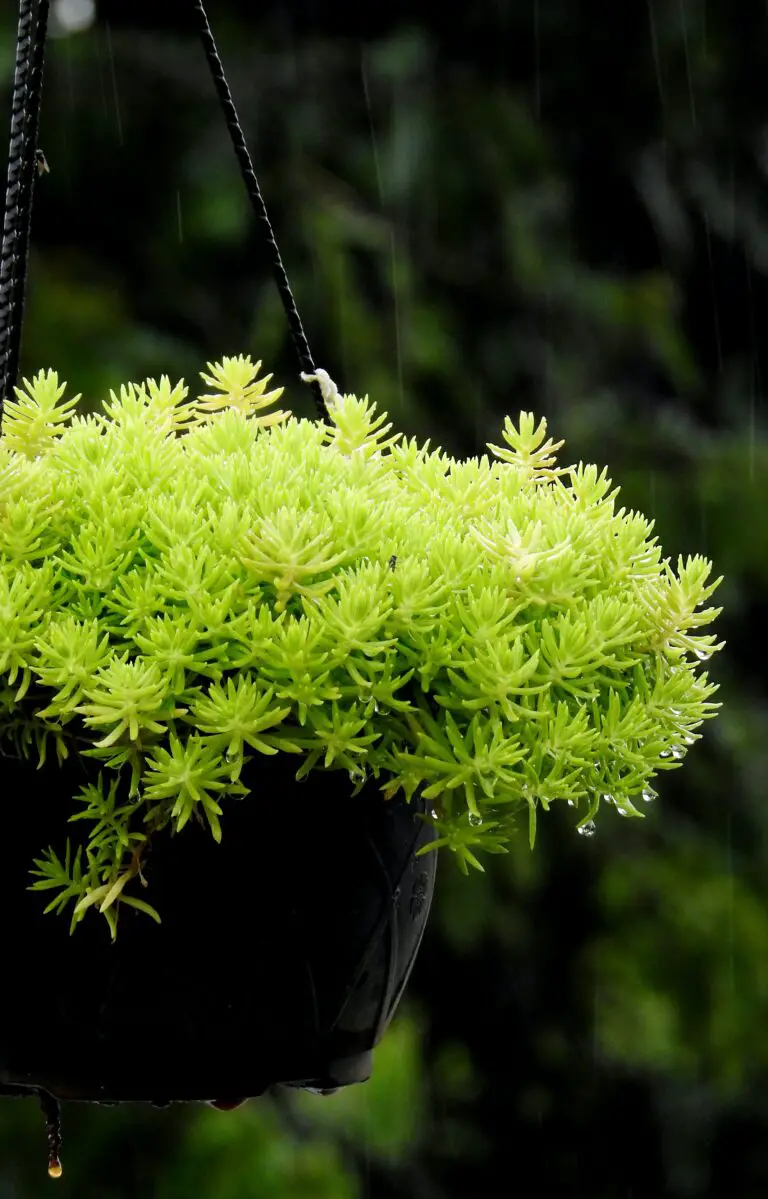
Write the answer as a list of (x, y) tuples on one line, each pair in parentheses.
[(186, 585)]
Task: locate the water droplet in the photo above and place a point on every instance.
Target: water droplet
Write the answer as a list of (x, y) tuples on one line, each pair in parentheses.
[(586, 830), (375, 706), (690, 740), (357, 776), (571, 803), (703, 654), (475, 820), (648, 794), (665, 753), (621, 811), (52, 1111), (606, 797), (677, 752), (434, 813)]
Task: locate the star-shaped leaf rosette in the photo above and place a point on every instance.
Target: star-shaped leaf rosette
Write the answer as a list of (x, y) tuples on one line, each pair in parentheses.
[(188, 585)]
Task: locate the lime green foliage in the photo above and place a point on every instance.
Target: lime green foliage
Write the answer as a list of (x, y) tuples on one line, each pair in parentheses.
[(186, 584)]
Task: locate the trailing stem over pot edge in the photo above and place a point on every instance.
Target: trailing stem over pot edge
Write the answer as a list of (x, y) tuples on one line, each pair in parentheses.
[(186, 583)]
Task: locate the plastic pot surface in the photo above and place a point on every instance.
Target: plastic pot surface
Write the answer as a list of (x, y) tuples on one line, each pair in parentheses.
[(281, 956)]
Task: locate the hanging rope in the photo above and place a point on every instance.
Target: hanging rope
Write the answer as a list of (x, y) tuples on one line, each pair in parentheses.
[(25, 160), (259, 207), (22, 167)]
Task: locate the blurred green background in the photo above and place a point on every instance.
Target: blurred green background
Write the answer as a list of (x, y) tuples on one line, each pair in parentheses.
[(559, 205)]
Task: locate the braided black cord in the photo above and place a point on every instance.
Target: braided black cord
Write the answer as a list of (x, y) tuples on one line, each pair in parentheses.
[(29, 173), (25, 113), (257, 202), (8, 258)]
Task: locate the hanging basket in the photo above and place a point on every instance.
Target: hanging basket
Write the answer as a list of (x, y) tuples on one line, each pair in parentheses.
[(286, 962), (486, 637), (284, 966)]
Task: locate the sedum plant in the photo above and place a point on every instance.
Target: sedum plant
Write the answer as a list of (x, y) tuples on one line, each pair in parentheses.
[(186, 585)]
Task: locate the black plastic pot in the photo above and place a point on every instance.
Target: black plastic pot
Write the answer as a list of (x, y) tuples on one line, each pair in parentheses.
[(282, 954)]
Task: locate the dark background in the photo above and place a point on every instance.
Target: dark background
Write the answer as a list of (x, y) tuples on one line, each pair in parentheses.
[(547, 204)]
